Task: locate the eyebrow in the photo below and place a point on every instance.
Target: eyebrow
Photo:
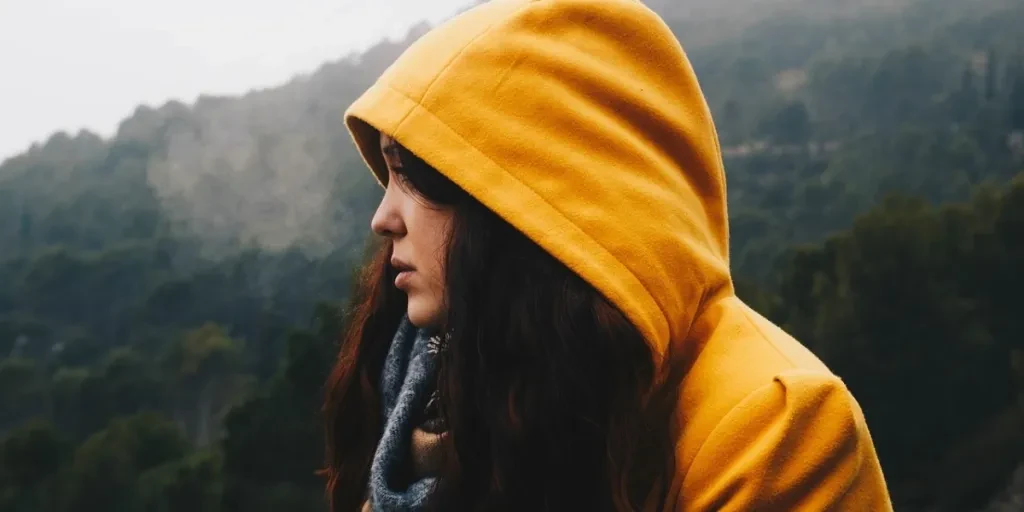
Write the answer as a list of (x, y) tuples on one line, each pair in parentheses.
[(389, 148)]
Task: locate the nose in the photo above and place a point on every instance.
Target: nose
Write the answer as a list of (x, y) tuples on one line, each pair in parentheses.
[(387, 220)]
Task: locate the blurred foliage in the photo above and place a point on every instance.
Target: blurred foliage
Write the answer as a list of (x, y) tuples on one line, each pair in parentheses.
[(871, 148)]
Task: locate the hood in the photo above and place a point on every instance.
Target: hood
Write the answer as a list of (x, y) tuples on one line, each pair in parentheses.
[(581, 123)]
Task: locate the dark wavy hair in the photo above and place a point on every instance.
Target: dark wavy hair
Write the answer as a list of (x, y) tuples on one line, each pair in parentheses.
[(548, 391)]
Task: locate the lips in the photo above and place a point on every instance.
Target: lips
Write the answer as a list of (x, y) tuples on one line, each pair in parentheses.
[(401, 266), (404, 270), (402, 279)]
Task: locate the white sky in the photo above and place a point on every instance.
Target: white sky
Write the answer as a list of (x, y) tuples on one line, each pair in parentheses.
[(72, 64)]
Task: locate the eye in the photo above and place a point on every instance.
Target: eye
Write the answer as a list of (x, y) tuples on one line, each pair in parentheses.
[(402, 180), (394, 177)]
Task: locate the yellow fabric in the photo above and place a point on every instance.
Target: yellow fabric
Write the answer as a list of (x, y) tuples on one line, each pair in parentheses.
[(581, 123)]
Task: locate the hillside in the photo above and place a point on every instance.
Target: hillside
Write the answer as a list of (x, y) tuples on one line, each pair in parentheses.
[(169, 297)]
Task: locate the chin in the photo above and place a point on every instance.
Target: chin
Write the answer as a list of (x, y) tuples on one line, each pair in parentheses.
[(422, 314)]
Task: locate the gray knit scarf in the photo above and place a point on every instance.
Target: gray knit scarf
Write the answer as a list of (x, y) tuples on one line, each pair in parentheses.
[(409, 398)]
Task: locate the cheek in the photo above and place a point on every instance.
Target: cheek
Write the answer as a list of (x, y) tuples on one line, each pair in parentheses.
[(427, 232), (436, 229)]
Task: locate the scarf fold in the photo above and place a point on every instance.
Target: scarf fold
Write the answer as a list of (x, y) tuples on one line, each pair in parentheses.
[(399, 474)]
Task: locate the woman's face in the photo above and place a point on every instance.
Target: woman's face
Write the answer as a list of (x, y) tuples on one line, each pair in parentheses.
[(418, 231)]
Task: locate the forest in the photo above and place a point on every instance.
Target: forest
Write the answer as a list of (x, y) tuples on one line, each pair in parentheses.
[(171, 297)]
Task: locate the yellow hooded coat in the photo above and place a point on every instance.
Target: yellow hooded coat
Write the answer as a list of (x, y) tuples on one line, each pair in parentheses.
[(581, 123)]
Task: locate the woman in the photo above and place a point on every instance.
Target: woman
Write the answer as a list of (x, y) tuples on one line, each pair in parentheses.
[(550, 323)]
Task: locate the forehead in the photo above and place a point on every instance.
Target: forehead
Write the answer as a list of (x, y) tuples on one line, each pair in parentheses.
[(389, 148)]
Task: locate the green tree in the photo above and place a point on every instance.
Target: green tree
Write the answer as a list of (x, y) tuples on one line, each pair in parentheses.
[(964, 102), (30, 458), (789, 125), (1016, 102), (991, 75), (106, 468), (890, 302), (69, 401), (191, 484), (731, 123), (205, 366), (25, 228), (903, 84), (22, 391), (274, 443)]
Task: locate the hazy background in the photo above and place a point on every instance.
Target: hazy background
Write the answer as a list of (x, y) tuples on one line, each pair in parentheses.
[(182, 213), (70, 64)]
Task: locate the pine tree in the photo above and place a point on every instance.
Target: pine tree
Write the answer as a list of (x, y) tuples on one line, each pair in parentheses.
[(991, 76)]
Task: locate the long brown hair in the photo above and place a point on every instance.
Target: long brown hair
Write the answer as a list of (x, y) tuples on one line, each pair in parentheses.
[(546, 388)]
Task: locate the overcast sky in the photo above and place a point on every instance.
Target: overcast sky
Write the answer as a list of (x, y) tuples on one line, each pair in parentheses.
[(72, 64)]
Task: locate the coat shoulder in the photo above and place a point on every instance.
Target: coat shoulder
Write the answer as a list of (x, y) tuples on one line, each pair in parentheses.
[(760, 414)]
